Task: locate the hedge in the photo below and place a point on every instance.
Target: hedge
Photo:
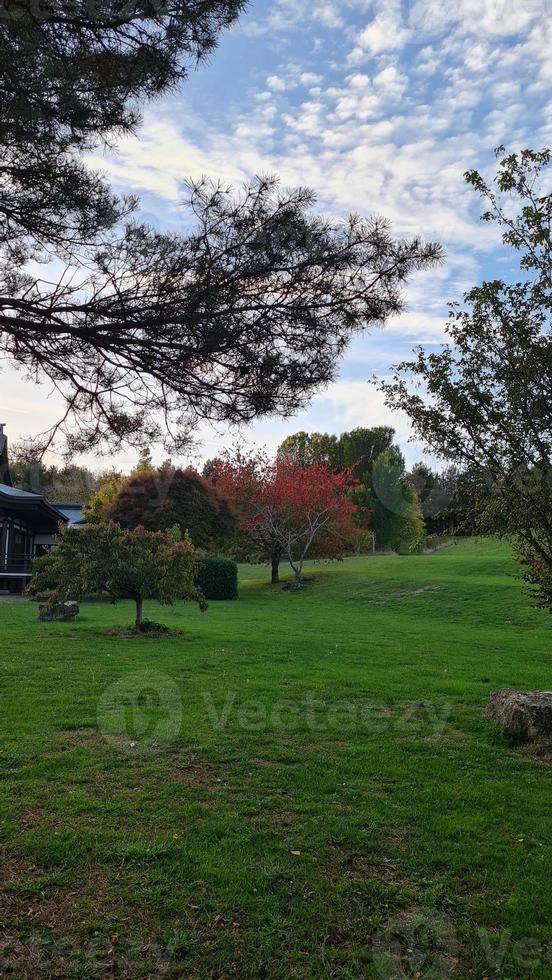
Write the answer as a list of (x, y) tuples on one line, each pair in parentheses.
[(217, 578)]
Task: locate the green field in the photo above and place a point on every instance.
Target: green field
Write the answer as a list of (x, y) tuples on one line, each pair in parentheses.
[(298, 785)]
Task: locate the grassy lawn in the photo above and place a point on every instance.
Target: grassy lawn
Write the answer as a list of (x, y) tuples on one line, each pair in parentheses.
[(299, 785)]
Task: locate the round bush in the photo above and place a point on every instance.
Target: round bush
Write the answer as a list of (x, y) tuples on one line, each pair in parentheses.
[(217, 578)]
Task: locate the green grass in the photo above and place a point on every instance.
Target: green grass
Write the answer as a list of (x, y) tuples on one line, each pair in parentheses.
[(299, 785)]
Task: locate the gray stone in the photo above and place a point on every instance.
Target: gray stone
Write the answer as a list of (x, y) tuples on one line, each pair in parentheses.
[(524, 714), (60, 612)]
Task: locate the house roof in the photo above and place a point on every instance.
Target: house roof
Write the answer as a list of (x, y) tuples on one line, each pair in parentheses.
[(73, 512), (33, 507), (39, 512), (14, 494)]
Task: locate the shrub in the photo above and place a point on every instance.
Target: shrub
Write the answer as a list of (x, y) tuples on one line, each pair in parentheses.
[(217, 578)]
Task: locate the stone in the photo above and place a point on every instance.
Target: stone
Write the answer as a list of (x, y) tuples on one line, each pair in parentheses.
[(524, 714), (60, 612)]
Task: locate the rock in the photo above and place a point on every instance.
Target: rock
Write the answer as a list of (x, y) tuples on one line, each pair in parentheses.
[(524, 714), (60, 612)]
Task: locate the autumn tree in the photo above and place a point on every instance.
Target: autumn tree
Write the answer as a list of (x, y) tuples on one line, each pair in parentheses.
[(385, 500), (303, 508), (108, 485), (244, 316), (105, 558), (239, 475), (488, 406), (160, 498), (290, 509)]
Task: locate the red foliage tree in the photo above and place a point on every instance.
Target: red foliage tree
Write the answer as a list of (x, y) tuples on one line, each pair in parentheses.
[(239, 477), (291, 508), (159, 499)]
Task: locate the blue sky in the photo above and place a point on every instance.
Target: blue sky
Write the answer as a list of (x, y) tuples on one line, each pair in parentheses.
[(380, 106)]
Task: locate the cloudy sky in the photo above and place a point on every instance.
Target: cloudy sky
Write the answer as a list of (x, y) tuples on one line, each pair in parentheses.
[(380, 105)]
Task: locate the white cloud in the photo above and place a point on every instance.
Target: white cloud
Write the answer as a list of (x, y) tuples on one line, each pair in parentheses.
[(276, 83), (386, 32), (310, 78), (326, 14), (391, 82)]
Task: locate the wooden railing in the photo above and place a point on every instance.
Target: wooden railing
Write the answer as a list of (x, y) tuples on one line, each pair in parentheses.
[(15, 566)]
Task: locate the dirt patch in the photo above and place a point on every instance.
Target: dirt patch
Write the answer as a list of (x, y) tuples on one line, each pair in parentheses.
[(89, 738), (130, 633), (78, 737), (44, 927), (358, 867), (13, 869), (194, 771), (452, 733)]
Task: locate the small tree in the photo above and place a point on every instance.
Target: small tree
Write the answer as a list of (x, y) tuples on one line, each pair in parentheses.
[(135, 565), (302, 507), (385, 500), (288, 508), (489, 408)]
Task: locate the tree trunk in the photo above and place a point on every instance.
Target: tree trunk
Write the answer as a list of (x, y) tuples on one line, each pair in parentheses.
[(298, 573), (138, 613), (276, 559)]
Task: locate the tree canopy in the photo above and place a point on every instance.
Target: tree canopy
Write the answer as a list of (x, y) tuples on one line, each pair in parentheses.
[(105, 558), (144, 333), (489, 408), (59, 484), (386, 501), (162, 498), (289, 510)]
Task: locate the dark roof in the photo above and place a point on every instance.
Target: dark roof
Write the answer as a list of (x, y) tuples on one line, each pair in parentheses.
[(13, 493), (73, 512), (33, 507)]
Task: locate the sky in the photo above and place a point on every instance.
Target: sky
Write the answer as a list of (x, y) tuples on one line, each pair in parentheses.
[(380, 106)]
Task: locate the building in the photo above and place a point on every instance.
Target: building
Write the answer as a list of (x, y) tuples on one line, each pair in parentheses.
[(28, 525)]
